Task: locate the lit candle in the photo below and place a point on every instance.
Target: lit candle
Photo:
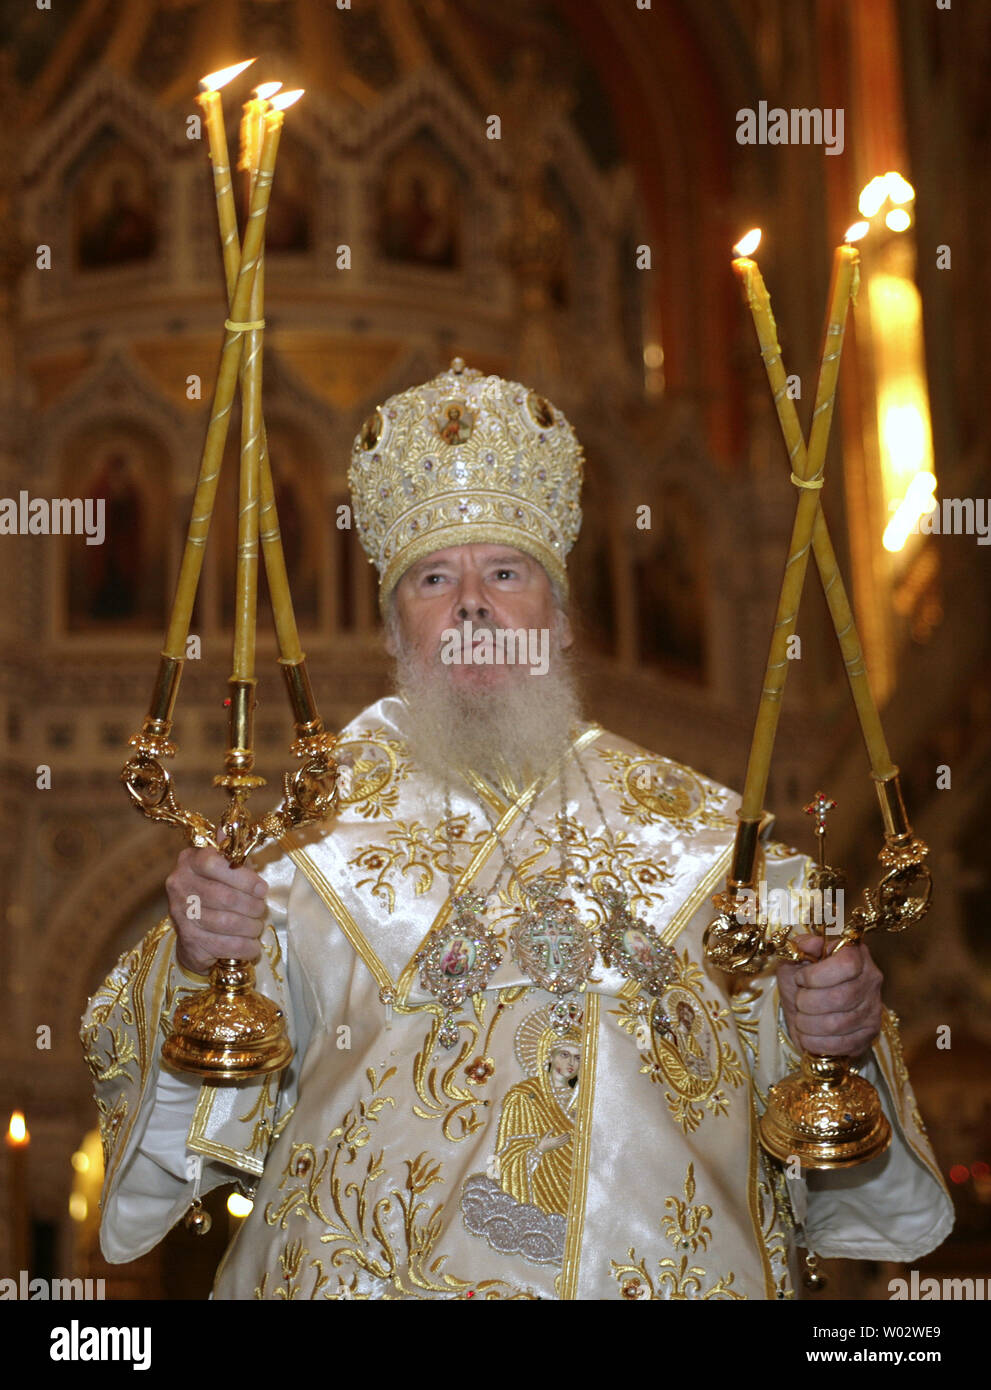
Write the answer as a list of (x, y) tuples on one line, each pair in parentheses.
[(246, 580), (807, 465), (758, 300), (18, 1138), (223, 398), (845, 282), (211, 105), (253, 127), (807, 468), (287, 634)]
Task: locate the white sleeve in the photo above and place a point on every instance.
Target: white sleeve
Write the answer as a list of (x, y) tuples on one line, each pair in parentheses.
[(891, 1208), (153, 1120)]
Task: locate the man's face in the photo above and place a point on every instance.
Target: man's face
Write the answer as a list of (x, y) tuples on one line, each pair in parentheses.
[(492, 586)]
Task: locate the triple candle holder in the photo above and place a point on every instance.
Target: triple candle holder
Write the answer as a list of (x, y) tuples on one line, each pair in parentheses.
[(228, 1031), (824, 1114)]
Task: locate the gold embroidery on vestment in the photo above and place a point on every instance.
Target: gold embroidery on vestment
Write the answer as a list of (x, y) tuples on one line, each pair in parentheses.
[(373, 770), (685, 1227), (652, 788), (578, 1196), (680, 1043)]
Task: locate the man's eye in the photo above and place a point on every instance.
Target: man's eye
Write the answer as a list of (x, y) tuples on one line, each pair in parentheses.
[(505, 574)]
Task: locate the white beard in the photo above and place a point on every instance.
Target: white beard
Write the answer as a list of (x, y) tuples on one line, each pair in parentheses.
[(518, 726)]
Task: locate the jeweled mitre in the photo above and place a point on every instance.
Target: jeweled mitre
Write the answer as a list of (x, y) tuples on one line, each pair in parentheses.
[(465, 458)]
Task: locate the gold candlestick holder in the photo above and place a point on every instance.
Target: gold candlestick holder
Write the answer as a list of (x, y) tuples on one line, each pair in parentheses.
[(824, 1114), (229, 1032)]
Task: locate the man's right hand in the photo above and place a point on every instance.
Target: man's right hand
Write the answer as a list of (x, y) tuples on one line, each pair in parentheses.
[(232, 910)]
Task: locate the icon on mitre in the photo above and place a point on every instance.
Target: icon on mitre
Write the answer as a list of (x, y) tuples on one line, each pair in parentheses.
[(454, 422)]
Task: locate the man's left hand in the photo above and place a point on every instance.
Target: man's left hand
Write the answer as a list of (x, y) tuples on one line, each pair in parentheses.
[(832, 1006)]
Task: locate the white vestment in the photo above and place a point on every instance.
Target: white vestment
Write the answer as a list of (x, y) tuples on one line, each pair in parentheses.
[(388, 1166)]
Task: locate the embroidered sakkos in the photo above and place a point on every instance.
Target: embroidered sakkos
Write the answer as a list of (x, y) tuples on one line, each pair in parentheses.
[(611, 1155)]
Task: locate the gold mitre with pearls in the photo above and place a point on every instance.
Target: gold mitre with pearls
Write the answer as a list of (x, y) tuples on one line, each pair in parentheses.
[(465, 458)]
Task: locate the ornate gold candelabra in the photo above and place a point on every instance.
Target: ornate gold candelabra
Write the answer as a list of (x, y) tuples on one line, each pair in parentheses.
[(825, 1114), (228, 1031)]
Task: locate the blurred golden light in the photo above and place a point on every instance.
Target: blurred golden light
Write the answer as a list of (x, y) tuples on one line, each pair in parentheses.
[(899, 189), (872, 196), (748, 244), (884, 188), (898, 220), (78, 1207), (215, 80), (80, 1161), (237, 1205), (917, 503), (653, 356), (17, 1130)]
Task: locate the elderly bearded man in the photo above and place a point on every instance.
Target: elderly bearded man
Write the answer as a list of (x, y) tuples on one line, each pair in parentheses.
[(515, 1076)]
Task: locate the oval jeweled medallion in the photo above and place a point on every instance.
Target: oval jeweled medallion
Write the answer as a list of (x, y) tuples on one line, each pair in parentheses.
[(550, 943), (634, 948), (540, 410), (458, 959), (665, 789), (371, 430)]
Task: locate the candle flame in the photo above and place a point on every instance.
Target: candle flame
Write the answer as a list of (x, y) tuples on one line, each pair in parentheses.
[(266, 90), (748, 244), (285, 99), (215, 80), (17, 1130), (858, 230)]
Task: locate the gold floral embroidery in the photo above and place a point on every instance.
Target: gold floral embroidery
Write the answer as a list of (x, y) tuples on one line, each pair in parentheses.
[(653, 789), (686, 1229), (680, 1043), (889, 1029), (362, 1201), (272, 947), (118, 1051), (264, 1106), (373, 770), (774, 1223), (442, 1096), (603, 860), (412, 849), (110, 1056), (111, 1119)]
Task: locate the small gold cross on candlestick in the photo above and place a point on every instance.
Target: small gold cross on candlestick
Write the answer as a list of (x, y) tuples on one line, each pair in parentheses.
[(823, 878)]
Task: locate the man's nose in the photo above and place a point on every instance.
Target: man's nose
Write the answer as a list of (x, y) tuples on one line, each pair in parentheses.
[(470, 601)]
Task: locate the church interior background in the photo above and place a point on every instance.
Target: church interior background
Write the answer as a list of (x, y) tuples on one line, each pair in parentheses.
[(525, 255)]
